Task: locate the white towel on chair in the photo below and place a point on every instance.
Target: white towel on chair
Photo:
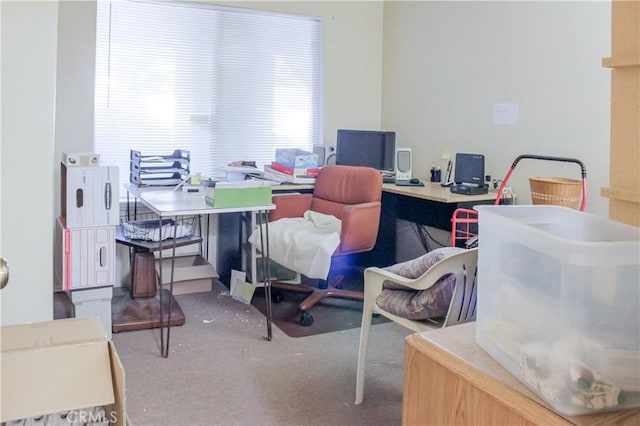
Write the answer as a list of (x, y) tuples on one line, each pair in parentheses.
[(303, 244)]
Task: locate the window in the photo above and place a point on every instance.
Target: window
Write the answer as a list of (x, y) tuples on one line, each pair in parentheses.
[(226, 84)]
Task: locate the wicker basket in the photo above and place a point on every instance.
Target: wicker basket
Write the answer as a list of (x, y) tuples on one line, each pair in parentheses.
[(557, 191)]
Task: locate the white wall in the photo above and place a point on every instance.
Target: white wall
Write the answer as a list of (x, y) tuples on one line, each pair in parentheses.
[(447, 63), (75, 81)]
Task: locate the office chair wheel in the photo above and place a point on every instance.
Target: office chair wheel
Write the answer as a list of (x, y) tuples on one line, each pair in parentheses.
[(306, 319), (276, 296)]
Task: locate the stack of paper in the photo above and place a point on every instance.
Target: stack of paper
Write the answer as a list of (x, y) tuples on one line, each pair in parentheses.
[(298, 171), (276, 175)]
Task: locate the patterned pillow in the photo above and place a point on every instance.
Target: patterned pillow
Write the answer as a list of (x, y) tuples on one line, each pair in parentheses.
[(424, 304)]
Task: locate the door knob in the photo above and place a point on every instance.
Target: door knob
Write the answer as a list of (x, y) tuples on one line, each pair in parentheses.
[(4, 273)]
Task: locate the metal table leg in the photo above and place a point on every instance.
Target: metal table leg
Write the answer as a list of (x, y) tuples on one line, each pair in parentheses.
[(266, 265), (164, 346)]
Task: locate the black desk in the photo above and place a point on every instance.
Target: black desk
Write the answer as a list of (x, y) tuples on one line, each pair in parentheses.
[(431, 205)]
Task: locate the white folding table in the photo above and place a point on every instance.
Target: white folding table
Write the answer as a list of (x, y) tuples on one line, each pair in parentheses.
[(167, 203)]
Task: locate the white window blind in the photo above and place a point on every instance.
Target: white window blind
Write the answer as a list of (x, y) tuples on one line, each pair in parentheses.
[(226, 84)]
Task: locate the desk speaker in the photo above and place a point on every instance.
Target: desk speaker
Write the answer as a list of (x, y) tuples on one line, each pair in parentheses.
[(321, 152), (403, 163)]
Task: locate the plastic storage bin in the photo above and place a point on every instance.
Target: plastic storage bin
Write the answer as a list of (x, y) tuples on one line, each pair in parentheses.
[(296, 158), (558, 304)]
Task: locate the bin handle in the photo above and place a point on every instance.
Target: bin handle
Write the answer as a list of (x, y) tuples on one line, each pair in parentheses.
[(583, 170)]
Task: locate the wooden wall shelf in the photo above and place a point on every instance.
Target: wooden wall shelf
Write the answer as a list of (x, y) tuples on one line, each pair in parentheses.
[(623, 188), (621, 194), (619, 62)]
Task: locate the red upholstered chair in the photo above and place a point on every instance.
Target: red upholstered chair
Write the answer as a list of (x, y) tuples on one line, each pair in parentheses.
[(352, 194)]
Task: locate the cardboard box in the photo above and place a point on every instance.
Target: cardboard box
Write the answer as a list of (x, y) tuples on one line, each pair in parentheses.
[(204, 285), (191, 274), (86, 257), (57, 366), (238, 194), (296, 158), (89, 195), (558, 303), (92, 303), (80, 159)]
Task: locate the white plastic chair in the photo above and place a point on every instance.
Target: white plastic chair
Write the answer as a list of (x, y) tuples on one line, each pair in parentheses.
[(461, 309)]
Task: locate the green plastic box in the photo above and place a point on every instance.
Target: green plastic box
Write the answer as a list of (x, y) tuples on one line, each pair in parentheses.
[(239, 197)]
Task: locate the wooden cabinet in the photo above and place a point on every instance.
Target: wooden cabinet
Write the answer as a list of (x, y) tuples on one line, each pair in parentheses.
[(449, 380), (624, 176)]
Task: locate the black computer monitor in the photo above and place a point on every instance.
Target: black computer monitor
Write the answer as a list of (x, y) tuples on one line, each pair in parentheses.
[(369, 148)]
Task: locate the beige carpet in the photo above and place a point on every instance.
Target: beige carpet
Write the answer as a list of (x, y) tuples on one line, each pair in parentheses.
[(221, 370)]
